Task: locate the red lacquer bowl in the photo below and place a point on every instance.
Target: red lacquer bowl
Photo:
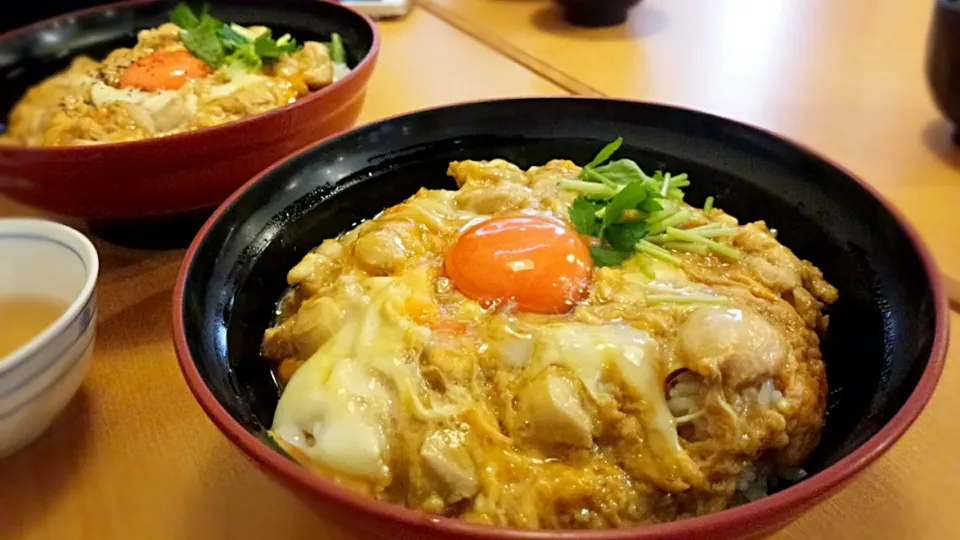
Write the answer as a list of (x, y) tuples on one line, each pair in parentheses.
[(180, 173), (884, 351)]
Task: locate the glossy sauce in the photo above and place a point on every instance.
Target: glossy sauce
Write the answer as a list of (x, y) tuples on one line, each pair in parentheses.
[(23, 317)]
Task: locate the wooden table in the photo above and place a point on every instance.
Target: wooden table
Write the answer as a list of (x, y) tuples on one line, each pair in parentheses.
[(842, 77), (135, 457)]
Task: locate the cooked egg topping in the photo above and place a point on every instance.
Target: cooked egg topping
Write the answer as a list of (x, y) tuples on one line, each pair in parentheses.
[(537, 263), (163, 70), (463, 354)]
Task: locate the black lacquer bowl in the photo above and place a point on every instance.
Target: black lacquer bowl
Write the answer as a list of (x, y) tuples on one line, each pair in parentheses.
[(596, 13), (884, 350), (943, 60)]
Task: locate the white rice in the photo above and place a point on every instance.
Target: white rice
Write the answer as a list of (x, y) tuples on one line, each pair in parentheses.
[(685, 398), (758, 480)]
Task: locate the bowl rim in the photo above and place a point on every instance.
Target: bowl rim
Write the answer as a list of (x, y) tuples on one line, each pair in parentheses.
[(73, 240), (219, 131), (799, 496)]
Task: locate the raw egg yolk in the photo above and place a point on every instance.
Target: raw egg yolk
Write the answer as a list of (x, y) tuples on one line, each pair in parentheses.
[(536, 263), (163, 70)]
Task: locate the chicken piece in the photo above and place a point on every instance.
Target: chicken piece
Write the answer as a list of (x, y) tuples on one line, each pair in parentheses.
[(779, 269), (318, 269), (277, 344), (493, 172), (317, 319), (383, 251), (301, 335), (778, 277), (814, 282), (736, 345), (445, 455), (310, 66), (550, 409), (552, 173), (247, 97), (161, 37), (505, 197)]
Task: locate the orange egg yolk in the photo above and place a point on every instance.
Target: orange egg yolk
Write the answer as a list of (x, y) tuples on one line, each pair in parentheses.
[(536, 263), (163, 70)]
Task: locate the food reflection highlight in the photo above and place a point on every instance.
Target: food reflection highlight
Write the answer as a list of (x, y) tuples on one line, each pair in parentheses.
[(679, 377)]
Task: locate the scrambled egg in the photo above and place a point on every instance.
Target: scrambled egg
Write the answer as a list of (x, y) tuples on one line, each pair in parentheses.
[(103, 102), (658, 396)]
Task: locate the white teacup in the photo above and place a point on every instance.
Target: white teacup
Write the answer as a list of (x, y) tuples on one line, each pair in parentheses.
[(45, 259)]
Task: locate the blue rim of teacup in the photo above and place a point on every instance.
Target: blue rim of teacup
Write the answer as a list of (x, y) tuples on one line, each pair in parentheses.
[(56, 380), (89, 307), (13, 362)]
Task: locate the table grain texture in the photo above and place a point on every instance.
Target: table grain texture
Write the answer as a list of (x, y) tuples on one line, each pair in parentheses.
[(133, 456)]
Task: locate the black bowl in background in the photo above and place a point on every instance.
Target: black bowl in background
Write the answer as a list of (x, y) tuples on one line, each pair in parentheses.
[(887, 335), (596, 13), (943, 60)]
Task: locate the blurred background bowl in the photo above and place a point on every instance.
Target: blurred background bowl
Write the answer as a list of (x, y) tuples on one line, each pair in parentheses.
[(45, 259), (943, 60), (157, 183), (596, 13), (884, 350)]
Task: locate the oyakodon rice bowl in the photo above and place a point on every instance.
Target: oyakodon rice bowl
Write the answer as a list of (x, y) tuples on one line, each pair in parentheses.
[(561, 347), (193, 72)]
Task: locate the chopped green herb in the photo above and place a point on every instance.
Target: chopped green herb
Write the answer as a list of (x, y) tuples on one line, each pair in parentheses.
[(201, 40), (708, 206), (679, 218), (626, 199), (621, 172), (657, 252), (337, 52), (219, 44), (234, 35), (183, 17), (629, 211), (605, 154), (624, 236), (650, 206), (589, 189), (604, 256), (245, 56), (705, 231), (269, 49), (583, 215), (717, 247)]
